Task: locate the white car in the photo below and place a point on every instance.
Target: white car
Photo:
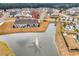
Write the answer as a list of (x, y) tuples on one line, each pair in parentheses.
[(1, 22)]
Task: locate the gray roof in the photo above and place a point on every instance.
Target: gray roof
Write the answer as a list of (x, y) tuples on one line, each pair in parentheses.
[(26, 21)]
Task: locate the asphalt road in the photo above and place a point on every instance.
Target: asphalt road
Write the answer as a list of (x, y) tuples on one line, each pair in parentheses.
[(33, 44)]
